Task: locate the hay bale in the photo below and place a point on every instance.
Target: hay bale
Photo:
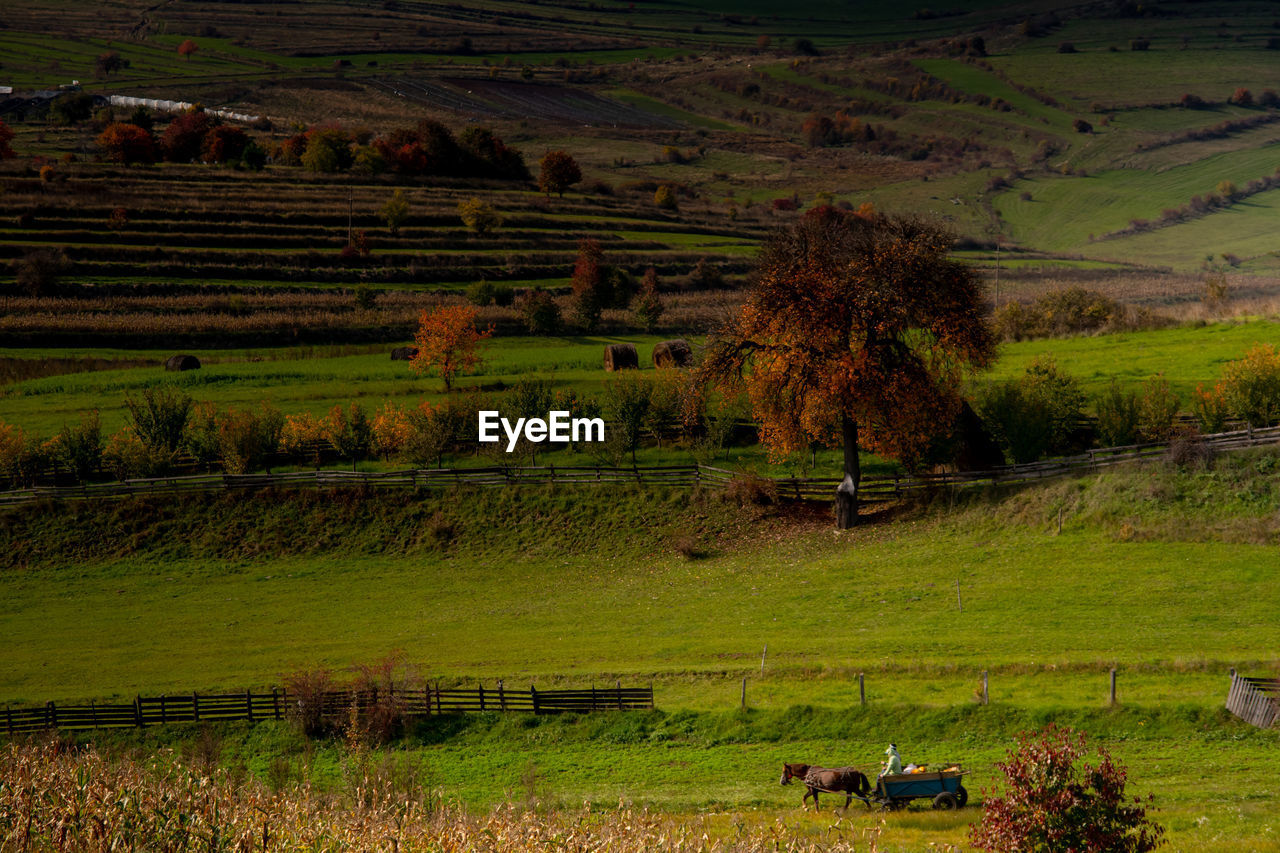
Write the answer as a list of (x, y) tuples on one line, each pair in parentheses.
[(676, 353), (182, 362), (621, 357), (404, 353)]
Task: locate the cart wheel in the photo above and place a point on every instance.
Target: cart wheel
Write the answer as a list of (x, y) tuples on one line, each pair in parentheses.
[(962, 797), (945, 802)]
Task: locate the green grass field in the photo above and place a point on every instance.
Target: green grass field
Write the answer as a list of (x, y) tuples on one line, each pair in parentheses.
[(315, 379), (219, 594)]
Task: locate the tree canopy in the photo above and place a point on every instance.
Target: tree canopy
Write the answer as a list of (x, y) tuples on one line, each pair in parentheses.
[(857, 333)]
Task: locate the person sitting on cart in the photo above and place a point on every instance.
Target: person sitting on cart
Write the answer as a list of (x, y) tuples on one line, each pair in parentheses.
[(892, 764)]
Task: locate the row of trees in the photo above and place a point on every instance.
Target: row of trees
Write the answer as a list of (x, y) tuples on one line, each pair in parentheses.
[(193, 136), (429, 148), (1041, 412), (167, 430)]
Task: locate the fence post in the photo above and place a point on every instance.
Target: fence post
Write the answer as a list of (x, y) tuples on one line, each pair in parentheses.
[(163, 718), (593, 696), (986, 695), (195, 707), (275, 703), (480, 689), (1113, 685), (93, 713), (137, 710), (248, 704), (52, 714), (618, 687), (533, 693), (502, 696), (438, 711), (744, 693), (862, 690)]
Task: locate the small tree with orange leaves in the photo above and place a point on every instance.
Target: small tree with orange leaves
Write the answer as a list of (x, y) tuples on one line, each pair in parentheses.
[(857, 334), (187, 48), (448, 340)]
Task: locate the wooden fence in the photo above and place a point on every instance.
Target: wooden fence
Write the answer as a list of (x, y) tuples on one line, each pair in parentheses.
[(1254, 700), (872, 489), (196, 708)]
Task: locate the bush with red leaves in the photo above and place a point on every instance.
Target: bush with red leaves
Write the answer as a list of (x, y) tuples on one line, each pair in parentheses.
[(1052, 802)]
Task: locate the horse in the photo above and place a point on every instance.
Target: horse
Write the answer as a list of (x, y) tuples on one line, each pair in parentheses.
[(829, 780)]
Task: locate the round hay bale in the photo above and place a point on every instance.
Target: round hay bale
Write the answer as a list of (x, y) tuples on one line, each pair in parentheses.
[(675, 353), (404, 353), (621, 357), (182, 362)]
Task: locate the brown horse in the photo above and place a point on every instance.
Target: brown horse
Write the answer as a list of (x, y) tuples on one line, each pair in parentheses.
[(829, 780)]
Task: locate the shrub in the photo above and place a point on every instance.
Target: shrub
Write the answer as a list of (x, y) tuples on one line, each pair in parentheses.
[(626, 403), (1188, 449), (159, 418), (38, 271), (127, 144), (478, 215), (1082, 126), (647, 306), (1053, 802), (1241, 97), (349, 432), (1158, 409), (430, 432), (395, 210), (540, 311), (1251, 386), (1210, 408), (480, 293), (751, 490), (1066, 47), (306, 707), (1071, 311), (1118, 418), (246, 438), (1034, 415), (80, 447), (665, 197)]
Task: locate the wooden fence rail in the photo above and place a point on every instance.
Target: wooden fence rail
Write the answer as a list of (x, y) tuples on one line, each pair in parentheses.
[(197, 707), (1254, 700), (872, 489)]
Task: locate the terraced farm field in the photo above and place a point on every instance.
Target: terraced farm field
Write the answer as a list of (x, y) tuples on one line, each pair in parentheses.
[(188, 226)]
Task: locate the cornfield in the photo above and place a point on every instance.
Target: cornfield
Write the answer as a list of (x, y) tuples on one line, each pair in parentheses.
[(54, 798)]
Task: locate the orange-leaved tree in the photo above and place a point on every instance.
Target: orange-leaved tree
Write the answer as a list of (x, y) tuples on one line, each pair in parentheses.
[(448, 340), (857, 334), (559, 171)]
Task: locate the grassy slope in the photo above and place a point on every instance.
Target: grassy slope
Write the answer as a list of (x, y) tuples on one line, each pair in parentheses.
[(220, 594), (198, 592)]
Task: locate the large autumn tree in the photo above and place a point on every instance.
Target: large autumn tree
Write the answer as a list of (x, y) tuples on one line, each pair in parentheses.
[(856, 334)]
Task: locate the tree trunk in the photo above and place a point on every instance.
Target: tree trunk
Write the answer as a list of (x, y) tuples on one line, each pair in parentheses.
[(847, 492)]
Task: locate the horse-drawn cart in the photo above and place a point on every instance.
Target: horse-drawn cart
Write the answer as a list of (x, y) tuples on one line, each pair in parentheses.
[(942, 787)]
